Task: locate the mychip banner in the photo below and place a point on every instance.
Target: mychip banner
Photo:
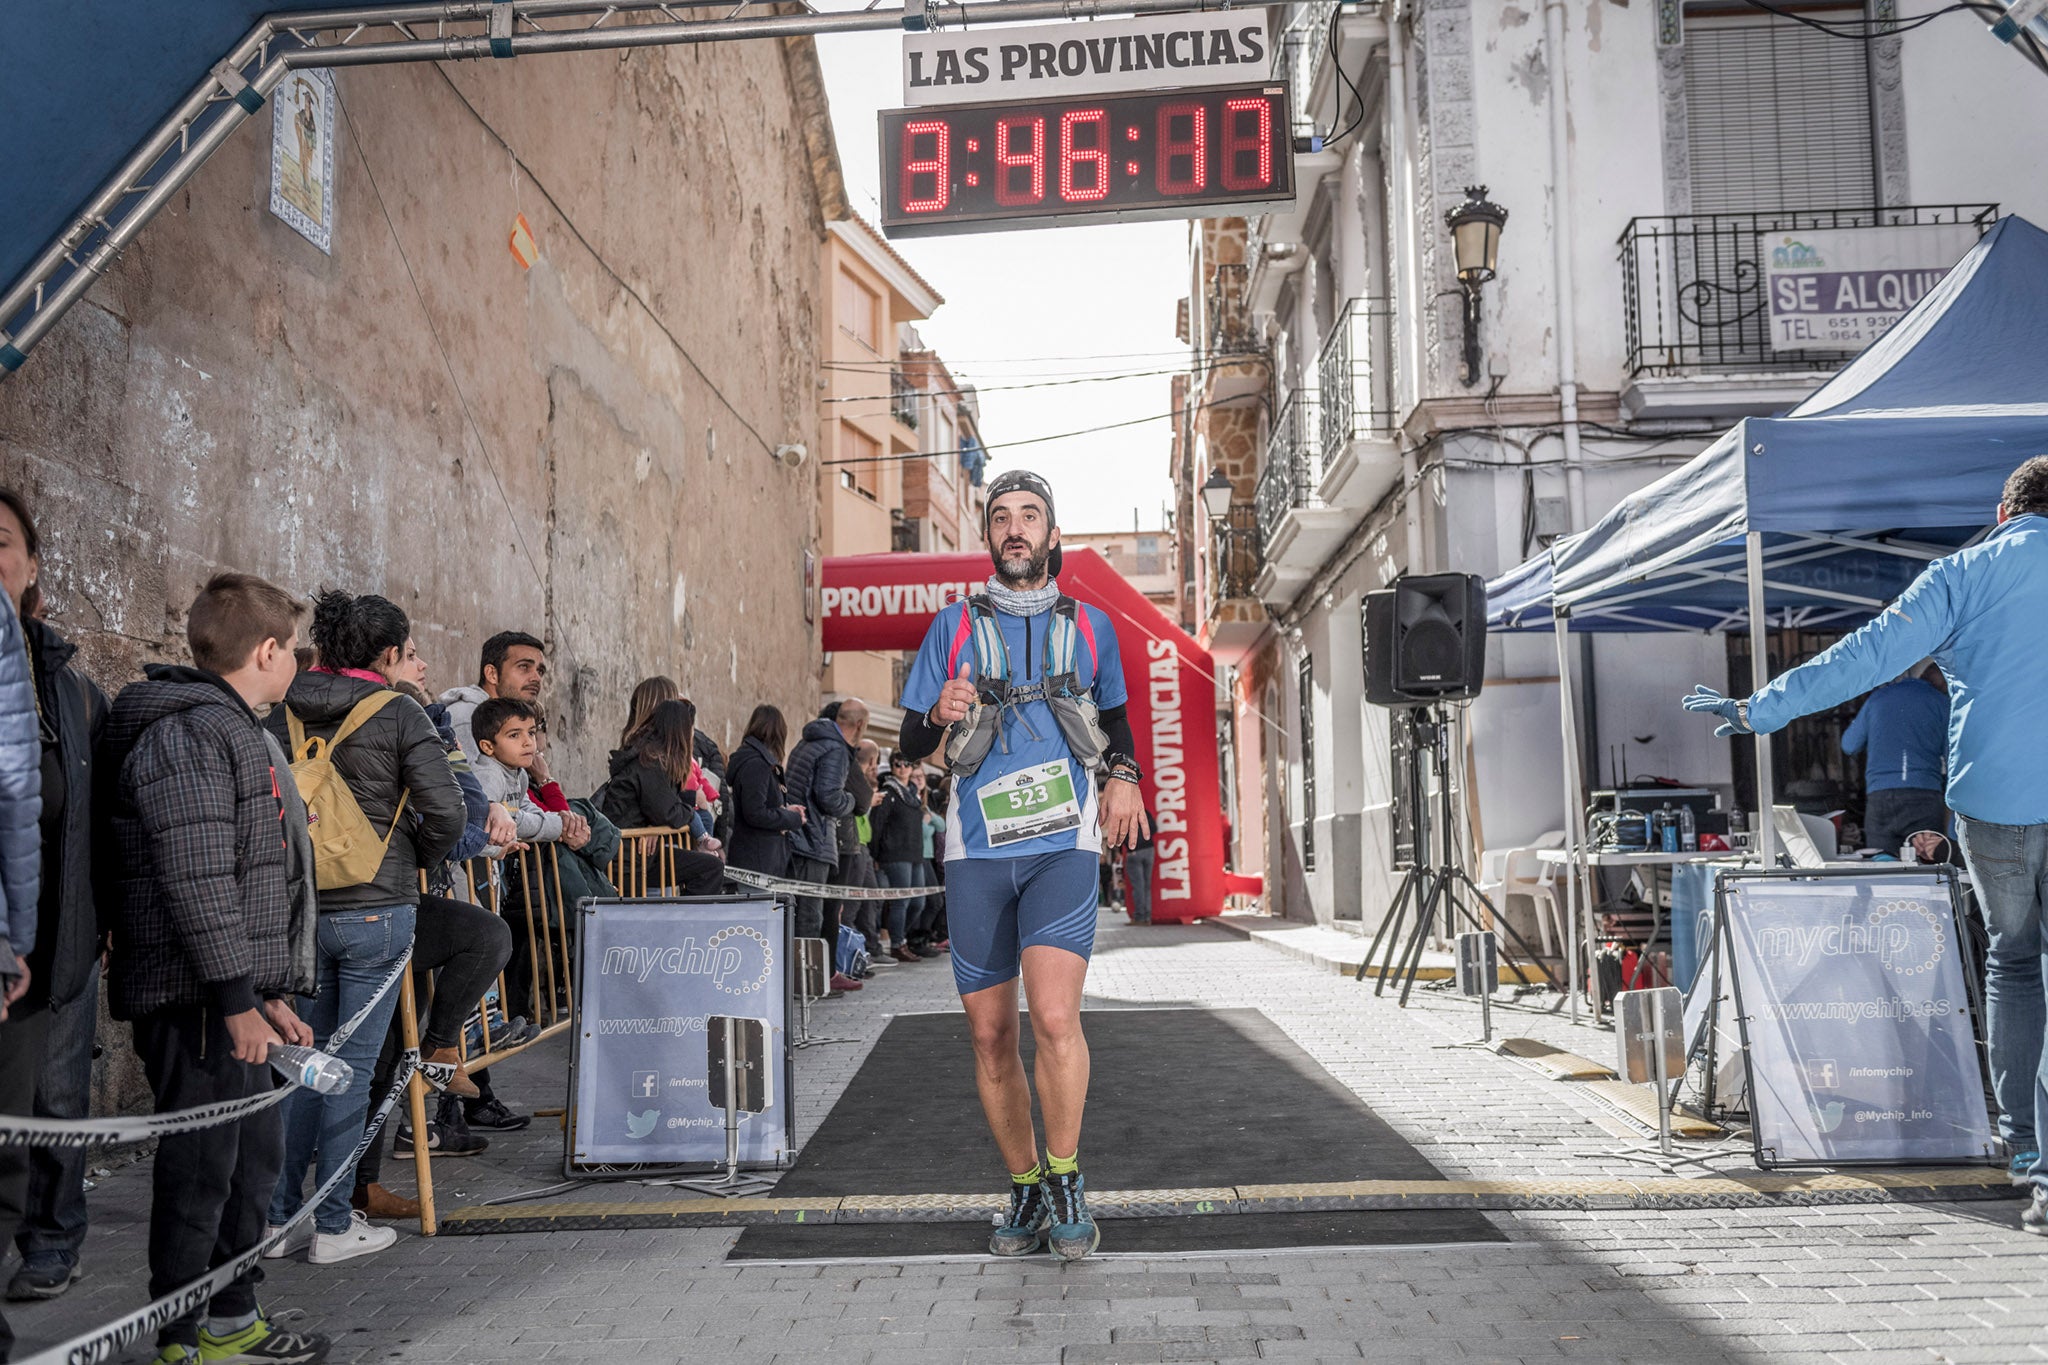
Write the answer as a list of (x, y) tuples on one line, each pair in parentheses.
[(1856, 1012), (652, 973)]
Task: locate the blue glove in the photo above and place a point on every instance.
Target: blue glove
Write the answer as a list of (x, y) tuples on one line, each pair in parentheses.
[(1705, 698)]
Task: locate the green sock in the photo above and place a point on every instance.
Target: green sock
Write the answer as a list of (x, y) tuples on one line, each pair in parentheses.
[(1063, 1165), (1030, 1177)]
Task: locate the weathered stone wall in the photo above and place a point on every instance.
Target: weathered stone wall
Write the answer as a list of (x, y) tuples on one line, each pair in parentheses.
[(582, 450)]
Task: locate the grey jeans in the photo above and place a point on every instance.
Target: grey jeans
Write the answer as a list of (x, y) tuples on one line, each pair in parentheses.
[(2009, 866)]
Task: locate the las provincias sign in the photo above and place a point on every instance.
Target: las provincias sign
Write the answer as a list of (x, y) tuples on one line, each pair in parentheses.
[(1049, 61)]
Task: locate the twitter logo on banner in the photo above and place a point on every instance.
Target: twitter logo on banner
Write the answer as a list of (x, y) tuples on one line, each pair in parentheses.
[(640, 1125)]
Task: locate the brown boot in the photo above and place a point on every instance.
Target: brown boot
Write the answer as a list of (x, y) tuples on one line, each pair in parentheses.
[(459, 1084), (377, 1202)]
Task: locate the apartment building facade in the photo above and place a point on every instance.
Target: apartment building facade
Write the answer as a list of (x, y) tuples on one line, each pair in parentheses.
[(1372, 415)]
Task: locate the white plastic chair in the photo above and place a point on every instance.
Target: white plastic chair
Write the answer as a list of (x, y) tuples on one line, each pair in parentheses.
[(1505, 872)]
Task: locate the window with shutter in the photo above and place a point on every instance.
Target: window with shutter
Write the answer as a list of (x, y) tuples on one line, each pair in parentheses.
[(1777, 113)]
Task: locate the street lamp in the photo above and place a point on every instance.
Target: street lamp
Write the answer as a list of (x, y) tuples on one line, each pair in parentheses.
[(1475, 228), (1217, 495)]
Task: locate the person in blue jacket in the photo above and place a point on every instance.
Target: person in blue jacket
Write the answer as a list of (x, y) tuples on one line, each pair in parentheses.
[(1978, 613), (1901, 732), (21, 868)]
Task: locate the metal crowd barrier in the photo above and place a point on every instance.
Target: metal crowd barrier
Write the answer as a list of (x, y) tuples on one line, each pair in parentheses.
[(644, 865)]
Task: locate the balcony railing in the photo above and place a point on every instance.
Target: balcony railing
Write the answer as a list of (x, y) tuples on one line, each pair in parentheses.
[(902, 399), (1230, 312), (1354, 376), (1693, 285), (1233, 554), (1293, 462), (1299, 56)]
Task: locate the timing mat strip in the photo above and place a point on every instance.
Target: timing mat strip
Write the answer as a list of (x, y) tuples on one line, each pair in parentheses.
[(1761, 1190)]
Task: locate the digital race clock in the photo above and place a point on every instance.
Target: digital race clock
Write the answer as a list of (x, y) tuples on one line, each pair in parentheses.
[(1166, 154)]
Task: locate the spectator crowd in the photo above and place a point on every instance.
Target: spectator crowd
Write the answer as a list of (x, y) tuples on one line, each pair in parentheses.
[(249, 845)]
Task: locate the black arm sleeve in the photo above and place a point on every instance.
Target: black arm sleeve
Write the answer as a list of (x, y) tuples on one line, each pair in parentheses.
[(1116, 728), (919, 737)]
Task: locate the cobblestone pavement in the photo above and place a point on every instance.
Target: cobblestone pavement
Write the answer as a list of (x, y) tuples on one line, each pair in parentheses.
[(1924, 1283)]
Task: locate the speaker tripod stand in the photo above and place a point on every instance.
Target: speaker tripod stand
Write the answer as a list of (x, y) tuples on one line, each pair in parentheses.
[(1437, 879)]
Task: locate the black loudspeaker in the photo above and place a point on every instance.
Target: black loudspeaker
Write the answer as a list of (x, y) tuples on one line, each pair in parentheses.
[(1425, 640)]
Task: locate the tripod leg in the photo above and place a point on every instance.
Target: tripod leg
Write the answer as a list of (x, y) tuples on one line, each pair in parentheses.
[(1391, 924), (1412, 896), (1412, 962)]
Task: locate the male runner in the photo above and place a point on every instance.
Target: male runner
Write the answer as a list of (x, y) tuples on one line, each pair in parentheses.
[(1024, 688)]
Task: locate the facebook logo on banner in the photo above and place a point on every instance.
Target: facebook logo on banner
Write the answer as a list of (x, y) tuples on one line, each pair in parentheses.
[(646, 1084)]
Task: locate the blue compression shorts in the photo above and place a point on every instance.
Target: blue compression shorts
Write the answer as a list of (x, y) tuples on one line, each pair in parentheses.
[(998, 907)]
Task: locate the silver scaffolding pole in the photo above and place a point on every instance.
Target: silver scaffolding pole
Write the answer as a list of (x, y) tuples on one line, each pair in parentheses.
[(453, 30), (1759, 674), (1574, 812)]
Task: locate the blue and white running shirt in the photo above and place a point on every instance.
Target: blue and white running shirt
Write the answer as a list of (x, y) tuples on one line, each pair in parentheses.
[(994, 813)]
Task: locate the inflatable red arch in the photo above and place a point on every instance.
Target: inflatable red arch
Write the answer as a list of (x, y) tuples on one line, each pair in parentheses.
[(886, 602)]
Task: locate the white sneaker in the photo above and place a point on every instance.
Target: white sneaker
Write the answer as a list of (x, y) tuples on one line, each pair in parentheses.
[(295, 1240), (331, 1248)]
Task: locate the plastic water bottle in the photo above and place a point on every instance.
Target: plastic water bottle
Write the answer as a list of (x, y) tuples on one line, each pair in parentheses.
[(1688, 832), (1667, 829), (311, 1067)]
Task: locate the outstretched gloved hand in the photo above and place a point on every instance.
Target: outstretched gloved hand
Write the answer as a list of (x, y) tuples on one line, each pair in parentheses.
[(1729, 709)]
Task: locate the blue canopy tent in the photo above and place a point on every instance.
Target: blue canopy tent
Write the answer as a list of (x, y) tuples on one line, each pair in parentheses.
[(1822, 516)]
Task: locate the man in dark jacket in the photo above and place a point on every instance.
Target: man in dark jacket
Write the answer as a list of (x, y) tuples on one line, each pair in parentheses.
[(65, 967), (20, 884), (817, 782), (202, 958)]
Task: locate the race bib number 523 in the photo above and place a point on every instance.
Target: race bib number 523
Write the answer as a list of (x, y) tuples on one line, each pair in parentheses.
[(1029, 804)]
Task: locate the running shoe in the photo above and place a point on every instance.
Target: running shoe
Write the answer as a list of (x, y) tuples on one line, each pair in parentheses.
[(2018, 1172), (260, 1343), (44, 1275), (1020, 1230), (2035, 1218), (298, 1239), (1073, 1234), (842, 982), (357, 1239), (492, 1116)]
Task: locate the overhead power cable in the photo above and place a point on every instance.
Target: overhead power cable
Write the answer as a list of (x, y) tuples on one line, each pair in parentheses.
[(1030, 440)]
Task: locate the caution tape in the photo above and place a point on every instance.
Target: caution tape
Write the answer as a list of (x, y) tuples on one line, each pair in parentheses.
[(109, 1132), (105, 1343), (827, 891)]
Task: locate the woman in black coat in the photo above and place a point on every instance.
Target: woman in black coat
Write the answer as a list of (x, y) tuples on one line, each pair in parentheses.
[(762, 815), (64, 969), (646, 792)]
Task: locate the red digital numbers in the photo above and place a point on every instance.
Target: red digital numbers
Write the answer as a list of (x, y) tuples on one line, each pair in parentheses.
[(1084, 145), (939, 165), (1255, 146), (1182, 155), (1020, 155), (1140, 155)]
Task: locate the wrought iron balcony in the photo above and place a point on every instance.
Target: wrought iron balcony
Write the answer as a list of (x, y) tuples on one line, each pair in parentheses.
[(1693, 285), (1354, 377), (1233, 554), (1299, 56), (902, 399), (1293, 462)]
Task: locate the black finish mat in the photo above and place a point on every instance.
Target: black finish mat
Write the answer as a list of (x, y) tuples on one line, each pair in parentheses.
[(1180, 1098)]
